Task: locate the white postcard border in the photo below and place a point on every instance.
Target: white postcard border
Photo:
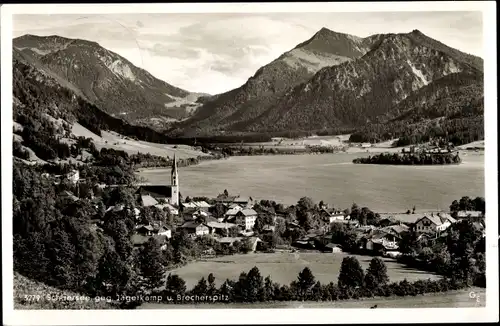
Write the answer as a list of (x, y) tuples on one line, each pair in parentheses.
[(247, 316)]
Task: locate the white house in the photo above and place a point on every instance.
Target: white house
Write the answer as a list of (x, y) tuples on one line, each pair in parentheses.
[(197, 205), (231, 213), (73, 176), (332, 215), (433, 223), (336, 217), (197, 229), (466, 214), (246, 218), (137, 212), (333, 248), (164, 231)]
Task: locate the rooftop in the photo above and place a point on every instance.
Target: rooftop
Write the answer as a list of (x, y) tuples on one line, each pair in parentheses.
[(148, 200), (191, 225), (229, 240), (248, 212), (196, 204), (218, 225), (467, 213), (156, 191)]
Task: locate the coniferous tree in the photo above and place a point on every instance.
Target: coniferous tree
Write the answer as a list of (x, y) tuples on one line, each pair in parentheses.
[(351, 273), (151, 262), (305, 281), (377, 272)]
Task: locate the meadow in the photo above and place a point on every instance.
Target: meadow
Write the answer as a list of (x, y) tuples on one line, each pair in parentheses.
[(116, 141), (284, 267)]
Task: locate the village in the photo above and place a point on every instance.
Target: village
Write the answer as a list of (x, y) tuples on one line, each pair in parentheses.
[(232, 219)]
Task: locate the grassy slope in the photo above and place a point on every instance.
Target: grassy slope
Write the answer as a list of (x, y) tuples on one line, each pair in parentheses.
[(132, 146)]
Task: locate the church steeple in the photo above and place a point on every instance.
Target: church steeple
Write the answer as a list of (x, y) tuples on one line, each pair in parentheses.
[(175, 183), (174, 168)]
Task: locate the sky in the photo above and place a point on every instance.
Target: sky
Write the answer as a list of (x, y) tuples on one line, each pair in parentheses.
[(213, 53)]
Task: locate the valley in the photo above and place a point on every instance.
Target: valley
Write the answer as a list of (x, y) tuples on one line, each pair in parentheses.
[(125, 184)]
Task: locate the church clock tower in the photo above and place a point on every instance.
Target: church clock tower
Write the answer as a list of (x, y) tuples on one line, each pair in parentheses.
[(175, 183)]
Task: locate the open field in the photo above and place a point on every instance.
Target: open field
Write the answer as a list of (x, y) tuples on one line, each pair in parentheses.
[(478, 144), (451, 299), (284, 267), (334, 141), (119, 142)]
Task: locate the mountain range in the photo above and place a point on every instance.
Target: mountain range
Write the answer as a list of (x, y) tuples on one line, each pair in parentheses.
[(336, 80), (330, 81), (108, 80)]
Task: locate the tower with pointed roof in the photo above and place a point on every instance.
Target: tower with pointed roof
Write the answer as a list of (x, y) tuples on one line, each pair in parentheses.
[(174, 183)]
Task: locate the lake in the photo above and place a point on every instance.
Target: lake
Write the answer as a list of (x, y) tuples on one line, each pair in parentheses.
[(332, 178)]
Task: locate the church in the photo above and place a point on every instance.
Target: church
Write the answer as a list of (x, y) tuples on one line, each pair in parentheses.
[(150, 195)]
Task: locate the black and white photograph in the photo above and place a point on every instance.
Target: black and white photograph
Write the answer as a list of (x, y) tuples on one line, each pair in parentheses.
[(249, 163)]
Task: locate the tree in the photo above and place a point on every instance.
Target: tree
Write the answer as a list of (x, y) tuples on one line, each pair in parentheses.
[(426, 254), (378, 272), (479, 204), (241, 288), (226, 193), (218, 210), (280, 227), (305, 203), (175, 285), (268, 289), (201, 288), (351, 273), (259, 224), (408, 244), (370, 282), (454, 207), (212, 290), (316, 292), (466, 204), (254, 285), (246, 246), (305, 281), (113, 274), (305, 219), (350, 241), (151, 262)]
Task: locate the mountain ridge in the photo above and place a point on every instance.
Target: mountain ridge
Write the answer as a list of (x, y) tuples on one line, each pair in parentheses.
[(289, 69), (414, 61), (110, 80)]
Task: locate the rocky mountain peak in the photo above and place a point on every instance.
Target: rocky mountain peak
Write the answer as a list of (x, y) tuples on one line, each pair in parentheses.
[(109, 80)]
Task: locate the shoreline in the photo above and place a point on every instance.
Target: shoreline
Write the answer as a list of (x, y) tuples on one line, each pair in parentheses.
[(205, 159)]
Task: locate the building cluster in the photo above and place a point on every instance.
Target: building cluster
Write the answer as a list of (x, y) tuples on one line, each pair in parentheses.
[(235, 218), (196, 217), (384, 239), (428, 149)]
